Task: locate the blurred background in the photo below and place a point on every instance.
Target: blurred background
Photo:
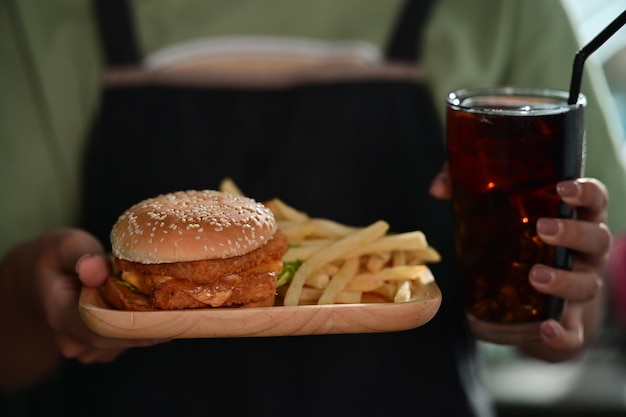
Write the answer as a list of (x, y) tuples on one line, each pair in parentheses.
[(596, 385)]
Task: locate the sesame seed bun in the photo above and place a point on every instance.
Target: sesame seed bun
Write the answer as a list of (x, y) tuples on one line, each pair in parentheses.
[(190, 226)]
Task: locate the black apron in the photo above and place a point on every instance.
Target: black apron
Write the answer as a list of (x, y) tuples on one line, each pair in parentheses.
[(353, 151)]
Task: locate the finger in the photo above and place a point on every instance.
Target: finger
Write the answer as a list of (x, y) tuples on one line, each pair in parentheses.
[(65, 319), (559, 338), (591, 239), (565, 336), (74, 245), (100, 356), (93, 270), (98, 348), (588, 195), (569, 285), (72, 348), (68, 246), (441, 187)]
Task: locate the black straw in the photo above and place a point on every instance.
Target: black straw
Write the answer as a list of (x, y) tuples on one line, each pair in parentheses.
[(583, 54)]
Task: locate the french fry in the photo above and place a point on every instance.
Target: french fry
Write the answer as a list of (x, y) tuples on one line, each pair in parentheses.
[(404, 292), (312, 295), (398, 257), (419, 290), (283, 211), (377, 261), (296, 231), (345, 264), (315, 242), (329, 228), (370, 281), (426, 277), (228, 186), (409, 241), (388, 290), (301, 252), (309, 296), (394, 273), (364, 284), (317, 280), (339, 280), (330, 269), (422, 256), (330, 253)]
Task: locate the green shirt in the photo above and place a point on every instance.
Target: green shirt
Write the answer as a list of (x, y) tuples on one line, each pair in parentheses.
[(51, 67)]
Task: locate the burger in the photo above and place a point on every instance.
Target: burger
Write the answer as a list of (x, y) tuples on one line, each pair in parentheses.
[(195, 249)]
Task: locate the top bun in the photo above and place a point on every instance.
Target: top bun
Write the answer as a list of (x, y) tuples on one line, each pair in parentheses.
[(191, 226)]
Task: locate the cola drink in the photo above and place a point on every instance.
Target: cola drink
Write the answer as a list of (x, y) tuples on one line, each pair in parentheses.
[(507, 149)]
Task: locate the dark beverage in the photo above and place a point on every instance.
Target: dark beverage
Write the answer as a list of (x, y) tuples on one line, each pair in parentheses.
[(506, 155)]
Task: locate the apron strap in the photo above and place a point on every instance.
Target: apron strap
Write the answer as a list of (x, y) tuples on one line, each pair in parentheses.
[(405, 42), (117, 33)]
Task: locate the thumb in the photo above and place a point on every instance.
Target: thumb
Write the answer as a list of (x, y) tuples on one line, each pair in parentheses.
[(81, 252), (93, 270)]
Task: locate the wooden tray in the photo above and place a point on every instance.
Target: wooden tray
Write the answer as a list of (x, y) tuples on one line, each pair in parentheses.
[(260, 321)]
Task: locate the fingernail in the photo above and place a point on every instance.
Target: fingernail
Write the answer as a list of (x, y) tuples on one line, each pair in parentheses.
[(80, 260), (548, 226), (568, 189), (549, 330), (541, 274)]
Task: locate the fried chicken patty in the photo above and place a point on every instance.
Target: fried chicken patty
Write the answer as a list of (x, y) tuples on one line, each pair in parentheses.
[(241, 280)]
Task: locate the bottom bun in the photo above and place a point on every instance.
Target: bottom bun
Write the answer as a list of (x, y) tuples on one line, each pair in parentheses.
[(122, 297)]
